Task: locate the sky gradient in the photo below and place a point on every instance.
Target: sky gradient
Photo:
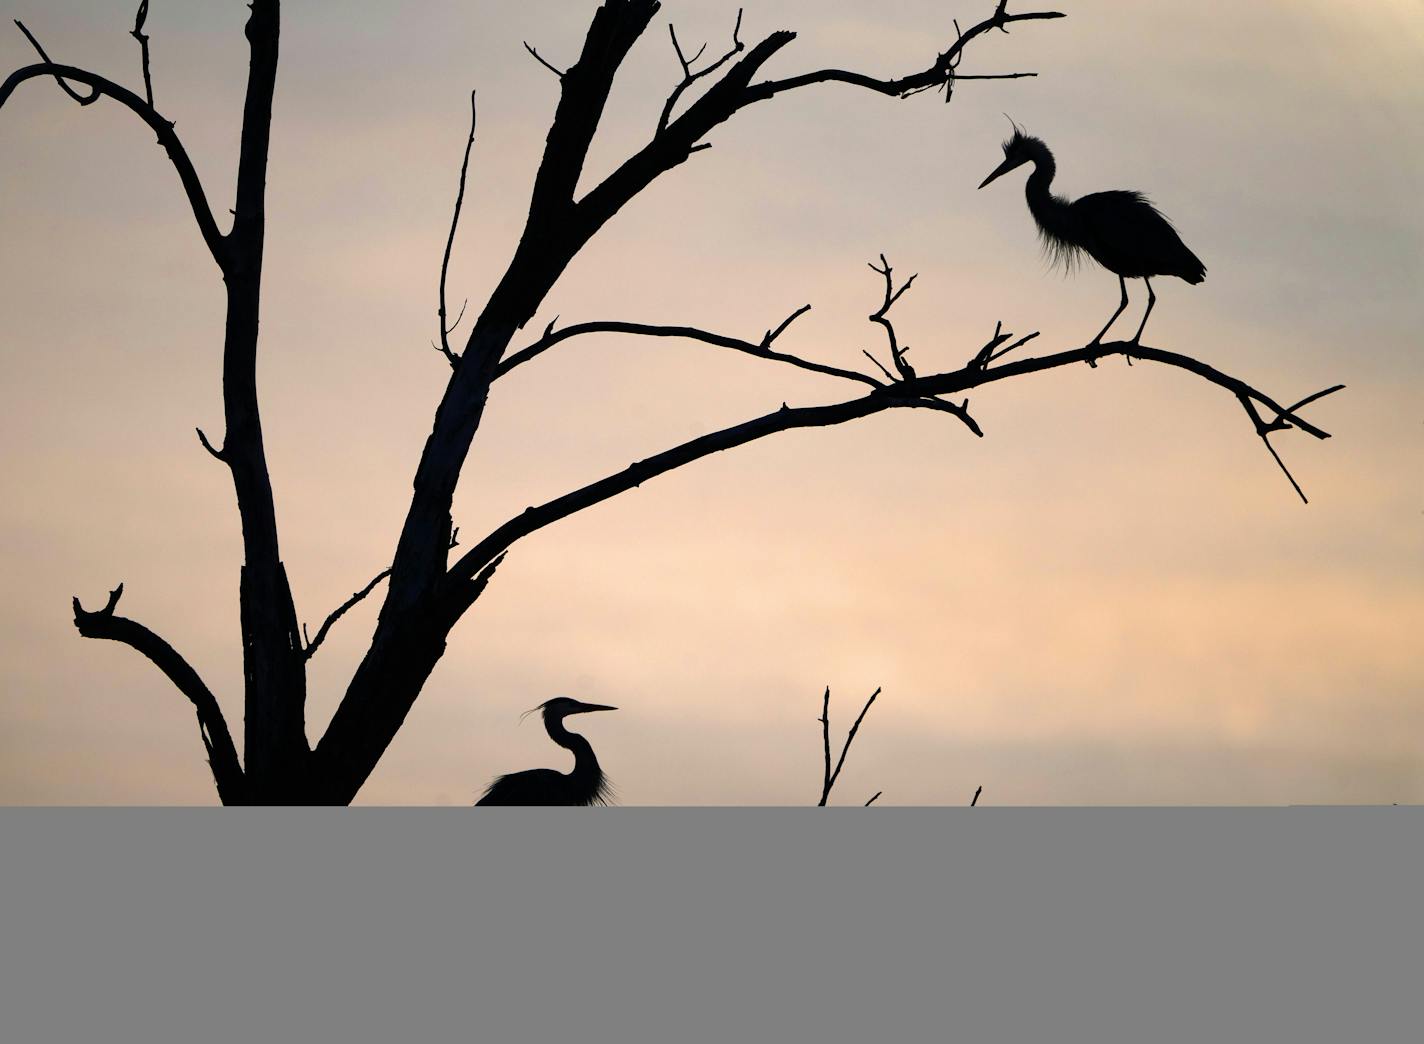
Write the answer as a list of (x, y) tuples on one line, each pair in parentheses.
[(1113, 598)]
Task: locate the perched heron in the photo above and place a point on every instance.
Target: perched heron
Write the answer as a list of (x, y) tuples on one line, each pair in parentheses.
[(1119, 230), (585, 785)]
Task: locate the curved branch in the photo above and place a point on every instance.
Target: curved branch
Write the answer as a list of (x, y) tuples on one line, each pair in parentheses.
[(760, 351), (167, 137), (447, 330), (916, 393), (222, 755)]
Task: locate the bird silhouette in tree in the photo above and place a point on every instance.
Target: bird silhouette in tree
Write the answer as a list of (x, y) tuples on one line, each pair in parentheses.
[(585, 785), (1120, 230)]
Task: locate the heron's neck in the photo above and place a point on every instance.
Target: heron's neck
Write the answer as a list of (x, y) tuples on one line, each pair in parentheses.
[(585, 764), (1048, 209)]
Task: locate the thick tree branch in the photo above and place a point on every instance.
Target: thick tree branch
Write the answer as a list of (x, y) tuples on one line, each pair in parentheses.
[(275, 743), (760, 351), (167, 137), (217, 741)]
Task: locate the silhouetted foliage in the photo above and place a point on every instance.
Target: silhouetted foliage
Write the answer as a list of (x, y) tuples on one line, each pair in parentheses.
[(427, 593)]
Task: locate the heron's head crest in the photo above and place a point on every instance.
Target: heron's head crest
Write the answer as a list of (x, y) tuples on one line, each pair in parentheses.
[(1016, 140)]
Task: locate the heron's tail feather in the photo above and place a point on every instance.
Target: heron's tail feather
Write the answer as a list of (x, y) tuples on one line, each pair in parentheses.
[(1193, 272)]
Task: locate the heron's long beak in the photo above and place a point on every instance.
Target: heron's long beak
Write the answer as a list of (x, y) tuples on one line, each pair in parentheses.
[(593, 707), (1003, 168)]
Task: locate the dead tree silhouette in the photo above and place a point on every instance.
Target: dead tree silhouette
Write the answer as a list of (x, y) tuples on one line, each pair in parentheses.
[(427, 594), (1120, 230), (585, 785)]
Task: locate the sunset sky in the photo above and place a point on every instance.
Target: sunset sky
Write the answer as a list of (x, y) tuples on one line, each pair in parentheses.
[(1113, 598)]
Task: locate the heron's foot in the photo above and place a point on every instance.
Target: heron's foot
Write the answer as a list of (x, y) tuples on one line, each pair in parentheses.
[(1096, 342)]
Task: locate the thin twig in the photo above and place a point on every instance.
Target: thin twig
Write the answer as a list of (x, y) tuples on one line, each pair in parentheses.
[(560, 73), (873, 799), (338, 613), (138, 34), (975, 800), (445, 330), (1264, 431), (772, 335), (341, 610), (878, 365)]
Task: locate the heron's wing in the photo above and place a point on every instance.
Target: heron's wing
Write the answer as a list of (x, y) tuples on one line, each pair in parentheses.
[(1128, 235)]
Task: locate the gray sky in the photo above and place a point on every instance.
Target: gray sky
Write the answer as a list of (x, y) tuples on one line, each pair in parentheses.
[(1113, 598)]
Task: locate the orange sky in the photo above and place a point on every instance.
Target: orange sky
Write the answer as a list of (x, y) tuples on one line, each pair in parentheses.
[(1112, 598)]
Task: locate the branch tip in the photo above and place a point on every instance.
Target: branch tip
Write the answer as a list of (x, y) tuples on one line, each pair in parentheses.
[(560, 73)]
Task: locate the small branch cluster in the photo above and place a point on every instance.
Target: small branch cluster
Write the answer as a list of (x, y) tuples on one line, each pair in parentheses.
[(905, 373), (992, 352), (689, 77), (830, 775)]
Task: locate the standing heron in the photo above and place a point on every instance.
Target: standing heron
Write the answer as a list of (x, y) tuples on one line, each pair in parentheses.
[(585, 785), (1119, 230)]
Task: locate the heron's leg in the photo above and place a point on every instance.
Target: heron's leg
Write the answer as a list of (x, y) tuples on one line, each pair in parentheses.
[(1151, 300), (1120, 309)]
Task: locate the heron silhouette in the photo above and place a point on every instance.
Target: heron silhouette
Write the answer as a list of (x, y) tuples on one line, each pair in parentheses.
[(585, 785), (1120, 230)]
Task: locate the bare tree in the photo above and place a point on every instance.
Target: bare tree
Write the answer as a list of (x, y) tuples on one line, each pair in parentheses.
[(427, 593)]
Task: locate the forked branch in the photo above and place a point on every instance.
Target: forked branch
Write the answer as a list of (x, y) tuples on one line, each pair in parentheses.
[(828, 779), (689, 77)]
